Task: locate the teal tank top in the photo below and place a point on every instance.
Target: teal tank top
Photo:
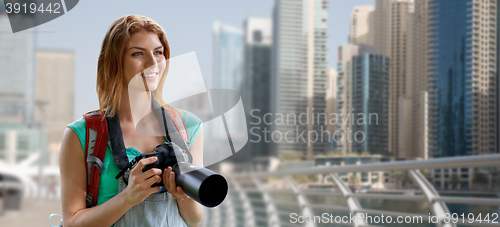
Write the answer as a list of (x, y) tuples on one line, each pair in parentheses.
[(108, 185)]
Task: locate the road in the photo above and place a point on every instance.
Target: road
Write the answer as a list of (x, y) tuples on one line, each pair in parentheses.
[(33, 213)]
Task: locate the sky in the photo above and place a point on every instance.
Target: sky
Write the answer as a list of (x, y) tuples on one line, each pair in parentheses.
[(188, 25)]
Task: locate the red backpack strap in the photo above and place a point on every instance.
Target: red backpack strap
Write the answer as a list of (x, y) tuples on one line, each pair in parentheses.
[(95, 148), (180, 125)]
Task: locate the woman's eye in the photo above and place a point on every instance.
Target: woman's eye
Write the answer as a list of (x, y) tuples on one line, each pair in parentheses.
[(159, 52), (136, 54)]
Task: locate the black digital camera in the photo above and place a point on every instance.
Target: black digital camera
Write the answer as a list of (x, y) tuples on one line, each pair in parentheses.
[(203, 185)]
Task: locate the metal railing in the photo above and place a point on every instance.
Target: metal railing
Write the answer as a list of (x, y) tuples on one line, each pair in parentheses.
[(252, 202)]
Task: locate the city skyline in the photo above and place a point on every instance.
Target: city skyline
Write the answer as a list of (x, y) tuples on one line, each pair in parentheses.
[(70, 32), (363, 20), (427, 71)]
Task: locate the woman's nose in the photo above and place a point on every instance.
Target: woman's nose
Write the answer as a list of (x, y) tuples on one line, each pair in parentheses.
[(151, 60)]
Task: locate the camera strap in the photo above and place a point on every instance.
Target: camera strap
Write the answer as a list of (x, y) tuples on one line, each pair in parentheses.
[(116, 141), (175, 132), (130, 165), (175, 128)]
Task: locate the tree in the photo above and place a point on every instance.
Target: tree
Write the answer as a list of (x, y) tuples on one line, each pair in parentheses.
[(479, 179), (406, 179), (290, 155), (455, 181), (353, 179), (427, 176), (334, 153), (398, 177)]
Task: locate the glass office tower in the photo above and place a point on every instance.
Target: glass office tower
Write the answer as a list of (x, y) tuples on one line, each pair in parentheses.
[(370, 103), (299, 71), (228, 57), (463, 91), (256, 91), (17, 79)]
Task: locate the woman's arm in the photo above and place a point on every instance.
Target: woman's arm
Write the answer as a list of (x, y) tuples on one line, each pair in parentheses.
[(74, 188), (190, 210)]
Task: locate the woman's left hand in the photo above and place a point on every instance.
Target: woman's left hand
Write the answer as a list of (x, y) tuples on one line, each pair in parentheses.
[(169, 182)]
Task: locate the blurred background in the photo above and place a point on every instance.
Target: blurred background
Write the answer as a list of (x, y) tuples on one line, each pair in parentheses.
[(333, 91)]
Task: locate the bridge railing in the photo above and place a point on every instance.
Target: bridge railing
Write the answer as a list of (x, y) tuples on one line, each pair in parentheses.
[(255, 199)]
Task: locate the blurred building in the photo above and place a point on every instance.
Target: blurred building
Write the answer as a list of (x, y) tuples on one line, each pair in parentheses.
[(391, 28), (358, 180), (256, 89), (381, 26), (345, 94), (361, 20), (227, 73), (54, 88), (370, 89), (17, 77), (452, 87), (300, 72), (463, 88), (18, 142), (228, 57), (331, 105), (415, 140)]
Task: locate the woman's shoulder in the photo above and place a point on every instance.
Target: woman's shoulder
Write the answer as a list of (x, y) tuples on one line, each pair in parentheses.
[(189, 118), (78, 123), (193, 124), (78, 127)]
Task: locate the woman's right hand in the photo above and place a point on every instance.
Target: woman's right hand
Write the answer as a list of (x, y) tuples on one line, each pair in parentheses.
[(139, 183)]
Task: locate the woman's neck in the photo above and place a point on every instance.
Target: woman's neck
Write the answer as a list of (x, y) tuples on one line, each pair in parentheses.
[(134, 106), (136, 109)]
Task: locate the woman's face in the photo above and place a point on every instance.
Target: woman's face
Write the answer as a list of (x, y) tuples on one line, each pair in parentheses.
[(143, 60)]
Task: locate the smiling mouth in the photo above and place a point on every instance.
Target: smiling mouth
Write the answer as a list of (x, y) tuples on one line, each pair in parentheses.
[(150, 74)]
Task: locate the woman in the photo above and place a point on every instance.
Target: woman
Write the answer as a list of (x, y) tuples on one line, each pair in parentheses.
[(134, 47)]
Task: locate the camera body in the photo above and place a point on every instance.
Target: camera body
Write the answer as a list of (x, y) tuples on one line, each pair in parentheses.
[(203, 185), (167, 154)]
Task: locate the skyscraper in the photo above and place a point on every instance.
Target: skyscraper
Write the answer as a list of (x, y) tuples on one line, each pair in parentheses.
[(382, 26), (463, 91), (17, 77), (331, 105), (370, 73), (344, 92), (17, 91), (256, 90), (299, 70), (415, 138), (227, 71), (362, 91), (55, 76), (391, 35), (361, 19), (228, 57), (455, 78)]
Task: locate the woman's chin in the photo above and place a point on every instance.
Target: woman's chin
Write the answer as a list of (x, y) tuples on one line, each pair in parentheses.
[(152, 85), (141, 88)]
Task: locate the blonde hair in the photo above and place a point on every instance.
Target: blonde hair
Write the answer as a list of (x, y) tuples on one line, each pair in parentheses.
[(110, 64)]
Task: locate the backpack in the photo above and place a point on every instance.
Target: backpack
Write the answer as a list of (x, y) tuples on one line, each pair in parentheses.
[(102, 131)]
